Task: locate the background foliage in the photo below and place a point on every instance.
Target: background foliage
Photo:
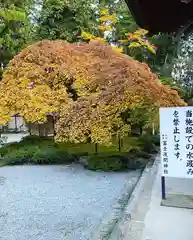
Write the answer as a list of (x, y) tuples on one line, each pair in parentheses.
[(77, 80)]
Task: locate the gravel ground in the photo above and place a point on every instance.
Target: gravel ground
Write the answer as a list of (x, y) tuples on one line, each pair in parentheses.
[(55, 202), (14, 137)]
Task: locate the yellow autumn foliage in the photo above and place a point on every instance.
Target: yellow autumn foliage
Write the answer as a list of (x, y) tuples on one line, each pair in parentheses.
[(134, 45), (104, 11), (88, 84), (138, 40), (87, 36), (104, 28), (117, 49), (105, 18)]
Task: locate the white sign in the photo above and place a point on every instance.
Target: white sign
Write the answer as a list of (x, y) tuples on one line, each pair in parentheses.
[(176, 136)]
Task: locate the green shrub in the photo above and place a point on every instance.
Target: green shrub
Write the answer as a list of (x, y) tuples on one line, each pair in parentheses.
[(50, 155), (140, 154), (3, 151), (138, 160), (131, 144), (9, 148), (156, 140), (77, 155), (35, 139), (40, 142), (19, 156), (147, 144), (107, 162), (33, 154)]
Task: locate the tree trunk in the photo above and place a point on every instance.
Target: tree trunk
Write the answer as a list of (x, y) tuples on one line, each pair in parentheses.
[(119, 143), (39, 130), (153, 129), (96, 147), (53, 125), (15, 117), (29, 126), (141, 130)]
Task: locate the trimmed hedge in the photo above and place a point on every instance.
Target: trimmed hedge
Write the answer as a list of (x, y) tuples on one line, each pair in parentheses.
[(33, 154), (156, 140), (43, 150), (19, 156), (38, 141), (8, 148), (147, 144), (107, 162), (52, 156), (34, 139), (117, 161)]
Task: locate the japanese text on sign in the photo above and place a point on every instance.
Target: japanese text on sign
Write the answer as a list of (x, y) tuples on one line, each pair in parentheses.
[(189, 145), (165, 154), (176, 135), (176, 123)]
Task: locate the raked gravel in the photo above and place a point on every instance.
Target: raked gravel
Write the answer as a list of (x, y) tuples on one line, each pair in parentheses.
[(56, 202)]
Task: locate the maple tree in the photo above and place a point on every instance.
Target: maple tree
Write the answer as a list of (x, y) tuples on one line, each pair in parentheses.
[(88, 84)]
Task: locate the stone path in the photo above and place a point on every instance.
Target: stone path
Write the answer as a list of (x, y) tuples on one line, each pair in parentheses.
[(56, 202), (167, 223)]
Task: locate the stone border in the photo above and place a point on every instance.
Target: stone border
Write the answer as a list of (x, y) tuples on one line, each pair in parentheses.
[(130, 208), (131, 224), (109, 221)]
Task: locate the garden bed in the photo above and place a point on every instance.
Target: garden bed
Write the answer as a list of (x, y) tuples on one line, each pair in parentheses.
[(32, 150)]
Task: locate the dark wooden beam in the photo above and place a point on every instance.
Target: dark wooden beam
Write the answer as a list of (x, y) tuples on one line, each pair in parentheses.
[(161, 15)]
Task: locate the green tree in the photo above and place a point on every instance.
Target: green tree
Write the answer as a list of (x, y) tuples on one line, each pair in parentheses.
[(63, 19), (15, 29), (161, 62), (16, 3)]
